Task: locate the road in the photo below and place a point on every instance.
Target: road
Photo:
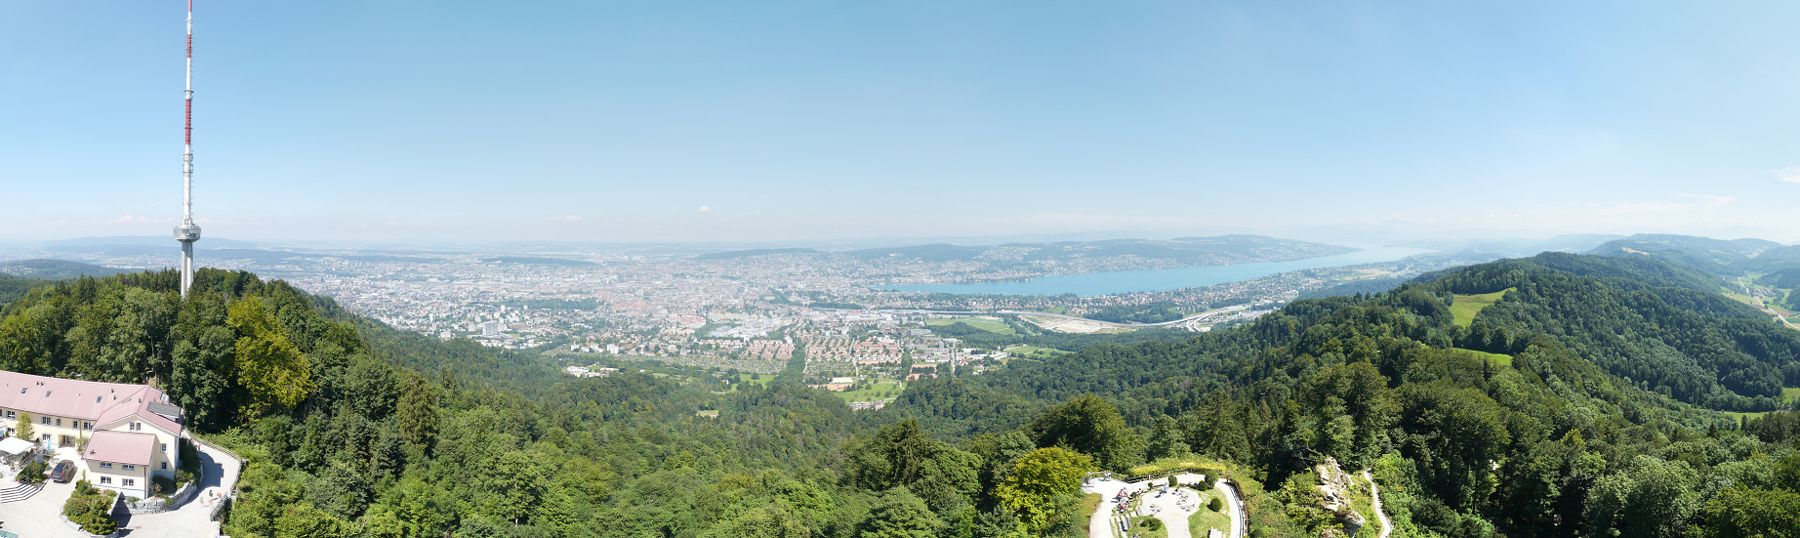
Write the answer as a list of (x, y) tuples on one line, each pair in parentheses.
[(219, 474), (1764, 305), (1387, 526)]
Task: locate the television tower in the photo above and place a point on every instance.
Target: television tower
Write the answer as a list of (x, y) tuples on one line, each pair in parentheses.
[(187, 233)]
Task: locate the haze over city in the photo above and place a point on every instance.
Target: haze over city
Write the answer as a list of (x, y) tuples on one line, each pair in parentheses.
[(794, 121)]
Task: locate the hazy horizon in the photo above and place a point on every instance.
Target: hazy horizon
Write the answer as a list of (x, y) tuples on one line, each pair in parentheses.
[(801, 122), (1521, 244)]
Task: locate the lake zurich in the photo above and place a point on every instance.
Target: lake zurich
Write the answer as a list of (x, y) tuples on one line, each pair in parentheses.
[(1112, 282)]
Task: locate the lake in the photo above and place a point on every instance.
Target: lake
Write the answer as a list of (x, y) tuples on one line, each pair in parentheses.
[(1111, 282)]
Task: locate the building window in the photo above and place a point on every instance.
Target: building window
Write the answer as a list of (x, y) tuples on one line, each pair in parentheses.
[(12, 414), (59, 423), (130, 467), (105, 465), (165, 447), (165, 466), (89, 426), (106, 480), (130, 482), (45, 421), (137, 426)]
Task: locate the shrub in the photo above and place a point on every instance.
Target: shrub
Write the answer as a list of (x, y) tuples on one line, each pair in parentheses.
[(190, 460), (91, 508), (164, 485), (1215, 504), (33, 473)]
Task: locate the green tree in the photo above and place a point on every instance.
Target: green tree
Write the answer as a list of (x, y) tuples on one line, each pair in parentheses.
[(515, 486), (1456, 435), (416, 509), (200, 382), (1166, 439), (1092, 426), (270, 369), (29, 339), (1651, 498), (417, 413), (24, 428), (303, 520), (1043, 488), (1741, 512), (898, 514), (894, 456)]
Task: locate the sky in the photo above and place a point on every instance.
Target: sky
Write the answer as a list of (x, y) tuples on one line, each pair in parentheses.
[(397, 120)]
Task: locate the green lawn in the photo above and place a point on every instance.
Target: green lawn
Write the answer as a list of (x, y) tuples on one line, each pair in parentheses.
[(992, 325), (886, 389), (1148, 527), (1788, 394), (1740, 416), (764, 381), (1500, 359), (1034, 352), (1090, 503), (1208, 519), (1465, 307)]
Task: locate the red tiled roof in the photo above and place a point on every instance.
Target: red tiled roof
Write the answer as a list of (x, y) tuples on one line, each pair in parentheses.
[(102, 403), (121, 447)]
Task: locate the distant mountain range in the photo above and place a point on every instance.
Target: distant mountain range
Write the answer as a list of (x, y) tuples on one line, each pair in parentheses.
[(1725, 257), (1219, 250), (54, 269)]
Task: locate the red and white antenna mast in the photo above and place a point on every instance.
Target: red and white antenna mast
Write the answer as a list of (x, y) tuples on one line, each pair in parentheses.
[(187, 233)]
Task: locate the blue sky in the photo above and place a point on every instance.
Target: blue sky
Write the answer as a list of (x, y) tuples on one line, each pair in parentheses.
[(738, 121)]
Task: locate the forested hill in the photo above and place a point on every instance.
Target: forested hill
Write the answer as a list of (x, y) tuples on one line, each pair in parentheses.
[(1584, 399), (352, 429), (1538, 397), (1713, 256)]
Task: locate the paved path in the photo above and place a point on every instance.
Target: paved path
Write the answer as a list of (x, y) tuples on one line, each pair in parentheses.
[(1387, 526), (36, 517), (219, 473), (1173, 508), (1100, 526), (1233, 509)]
